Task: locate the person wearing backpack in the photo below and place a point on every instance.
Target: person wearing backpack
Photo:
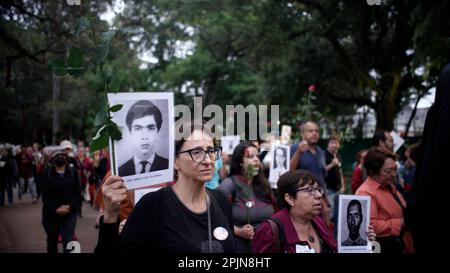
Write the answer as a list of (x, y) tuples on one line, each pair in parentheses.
[(298, 228)]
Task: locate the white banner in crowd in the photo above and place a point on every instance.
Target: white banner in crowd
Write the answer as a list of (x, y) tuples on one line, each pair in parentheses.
[(398, 141)]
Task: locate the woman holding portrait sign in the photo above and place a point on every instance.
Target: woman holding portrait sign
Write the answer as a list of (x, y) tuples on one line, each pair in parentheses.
[(298, 228), (182, 218)]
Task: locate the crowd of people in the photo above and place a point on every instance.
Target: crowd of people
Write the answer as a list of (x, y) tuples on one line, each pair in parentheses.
[(224, 203), (302, 209), (61, 177), (303, 206)]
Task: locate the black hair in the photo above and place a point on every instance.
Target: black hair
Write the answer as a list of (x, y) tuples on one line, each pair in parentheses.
[(275, 153), (375, 158), (377, 136), (141, 109), (260, 185), (354, 202), (290, 181)]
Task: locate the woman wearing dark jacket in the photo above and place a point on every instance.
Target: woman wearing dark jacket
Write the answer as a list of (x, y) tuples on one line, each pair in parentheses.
[(60, 196), (182, 218)]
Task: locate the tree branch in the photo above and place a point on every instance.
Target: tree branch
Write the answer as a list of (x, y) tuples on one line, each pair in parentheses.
[(353, 100), (24, 11), (13, 43)]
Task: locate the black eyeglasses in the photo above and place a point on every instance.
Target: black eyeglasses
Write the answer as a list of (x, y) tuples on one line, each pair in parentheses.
[(312, 190), (198, 155)]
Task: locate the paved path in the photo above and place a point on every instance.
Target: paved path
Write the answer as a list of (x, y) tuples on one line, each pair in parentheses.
[(21, 230)]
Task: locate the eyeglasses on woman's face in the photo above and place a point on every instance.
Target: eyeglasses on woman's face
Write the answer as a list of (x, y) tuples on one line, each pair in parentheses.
[(198, 155), (311, 190)]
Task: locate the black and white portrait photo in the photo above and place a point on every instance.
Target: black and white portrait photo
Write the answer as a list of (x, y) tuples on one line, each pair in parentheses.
[(353, 222), (144, 155), (279, 163), (228, 143)]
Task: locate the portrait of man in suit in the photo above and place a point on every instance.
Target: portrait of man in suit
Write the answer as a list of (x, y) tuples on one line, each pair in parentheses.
[(143, 121)]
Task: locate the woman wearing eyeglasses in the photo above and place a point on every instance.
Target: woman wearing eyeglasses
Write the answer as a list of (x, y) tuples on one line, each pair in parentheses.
[(303, 230), (249, 193), (182, 218), (387, 206)]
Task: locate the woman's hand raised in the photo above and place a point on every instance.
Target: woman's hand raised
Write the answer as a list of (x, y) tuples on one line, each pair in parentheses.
[(114, 193)]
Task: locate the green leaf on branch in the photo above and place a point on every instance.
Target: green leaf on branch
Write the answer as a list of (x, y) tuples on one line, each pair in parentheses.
[(58, 66), (102, 53), (115, 108), (107, 35), (75, 58), (101, 139), (75, 66), (128, 30), (75, 71), (82, 24), (104, 45), (100, 119), (114, 131)]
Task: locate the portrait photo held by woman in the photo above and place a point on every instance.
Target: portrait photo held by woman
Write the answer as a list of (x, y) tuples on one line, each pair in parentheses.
[(298, 227), (182, 218)]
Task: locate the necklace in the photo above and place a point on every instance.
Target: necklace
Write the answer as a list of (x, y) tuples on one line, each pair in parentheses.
[(310, 237)]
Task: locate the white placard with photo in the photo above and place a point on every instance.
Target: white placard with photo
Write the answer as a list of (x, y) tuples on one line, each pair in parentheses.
[(285, 134), (145, 154), (279, 164), (398, 141), (228, 143), (353, 222)]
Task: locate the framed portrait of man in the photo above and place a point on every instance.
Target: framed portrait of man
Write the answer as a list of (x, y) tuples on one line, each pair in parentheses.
[(279, 164), (353, 222), (228, 143), (145, 154)]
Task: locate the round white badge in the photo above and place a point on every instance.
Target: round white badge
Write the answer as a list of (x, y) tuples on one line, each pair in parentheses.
[(220, 233)]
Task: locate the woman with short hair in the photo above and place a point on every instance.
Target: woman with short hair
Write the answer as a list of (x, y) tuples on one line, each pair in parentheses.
[(387, 205)]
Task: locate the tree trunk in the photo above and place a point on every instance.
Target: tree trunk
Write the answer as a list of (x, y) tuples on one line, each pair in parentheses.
[(385, 118), (56, 91), (388, 101), (413, 113)]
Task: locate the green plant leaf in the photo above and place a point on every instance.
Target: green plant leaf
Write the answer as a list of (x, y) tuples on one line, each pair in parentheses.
[(100, 119), (75, 58), (115, 108), (114, 131), (101, 139), (102, 53), (125, 30), (75, 71), (82, 24), (58, 66), (104, 45), (107, 35)]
